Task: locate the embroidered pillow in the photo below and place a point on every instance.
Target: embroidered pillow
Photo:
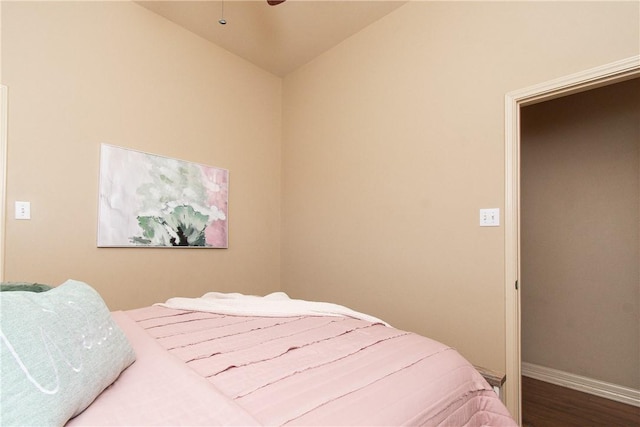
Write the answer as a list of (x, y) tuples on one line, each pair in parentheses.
[(59, 350)]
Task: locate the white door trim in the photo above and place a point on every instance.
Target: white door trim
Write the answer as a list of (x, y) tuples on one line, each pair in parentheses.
[(3, 174), (590, 79)]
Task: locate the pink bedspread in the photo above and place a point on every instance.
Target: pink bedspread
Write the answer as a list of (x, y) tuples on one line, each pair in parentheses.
[(236, 370)]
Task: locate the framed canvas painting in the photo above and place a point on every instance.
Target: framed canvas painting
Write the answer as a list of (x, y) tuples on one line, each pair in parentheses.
[(147, 200)]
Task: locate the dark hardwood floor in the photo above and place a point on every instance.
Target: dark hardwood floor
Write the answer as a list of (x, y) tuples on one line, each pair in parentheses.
[(549, 405)]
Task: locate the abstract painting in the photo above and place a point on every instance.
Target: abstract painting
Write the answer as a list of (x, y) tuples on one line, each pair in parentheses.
[(148, 200)]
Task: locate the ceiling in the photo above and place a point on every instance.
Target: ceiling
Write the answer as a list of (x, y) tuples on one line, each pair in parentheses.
[(278, 38)]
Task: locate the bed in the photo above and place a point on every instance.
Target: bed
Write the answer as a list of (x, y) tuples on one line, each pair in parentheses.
[(227, 359)]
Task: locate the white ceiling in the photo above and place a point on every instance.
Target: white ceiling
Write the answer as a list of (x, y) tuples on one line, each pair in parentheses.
[(278, 38)]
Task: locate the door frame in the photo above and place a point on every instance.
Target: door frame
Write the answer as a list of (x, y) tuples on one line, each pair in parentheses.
[(3, 174), (585, 80)]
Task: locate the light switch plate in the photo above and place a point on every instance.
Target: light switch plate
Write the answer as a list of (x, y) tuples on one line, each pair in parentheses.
[(490, 217), (23, 210)]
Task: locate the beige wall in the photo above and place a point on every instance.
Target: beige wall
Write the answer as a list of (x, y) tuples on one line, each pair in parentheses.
[(580, 230), (84, 73), (394, 140)]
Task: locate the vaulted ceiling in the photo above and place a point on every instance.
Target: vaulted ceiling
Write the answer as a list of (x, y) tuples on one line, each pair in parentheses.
[(278, 38)]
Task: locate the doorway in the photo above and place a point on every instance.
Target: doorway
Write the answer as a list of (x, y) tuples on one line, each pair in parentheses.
[(514, 101), (579, 200)]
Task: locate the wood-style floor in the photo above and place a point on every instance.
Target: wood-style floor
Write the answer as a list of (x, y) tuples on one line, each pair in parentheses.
[(549, 405)]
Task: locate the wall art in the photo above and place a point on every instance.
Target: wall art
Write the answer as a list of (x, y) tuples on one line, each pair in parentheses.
[(147, 200)]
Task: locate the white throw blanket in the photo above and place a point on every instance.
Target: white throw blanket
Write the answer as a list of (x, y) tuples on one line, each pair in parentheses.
[(277, 304)]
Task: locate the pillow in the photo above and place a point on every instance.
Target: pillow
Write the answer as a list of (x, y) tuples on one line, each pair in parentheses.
[(23, 286), (59, 350)]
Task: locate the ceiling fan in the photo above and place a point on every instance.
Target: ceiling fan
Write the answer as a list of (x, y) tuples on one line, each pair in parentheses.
[(223, 21)]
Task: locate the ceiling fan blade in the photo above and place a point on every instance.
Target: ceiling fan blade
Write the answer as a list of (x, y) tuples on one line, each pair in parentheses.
[(275, 2)]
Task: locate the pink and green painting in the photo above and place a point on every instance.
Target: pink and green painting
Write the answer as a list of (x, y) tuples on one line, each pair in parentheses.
[(147, 200)]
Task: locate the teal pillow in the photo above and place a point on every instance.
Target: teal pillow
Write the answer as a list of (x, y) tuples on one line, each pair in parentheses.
[(59, 350), (23, 286)]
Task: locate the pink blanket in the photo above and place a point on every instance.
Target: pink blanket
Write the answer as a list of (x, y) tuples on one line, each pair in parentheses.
[(159, 390), (302, 370)]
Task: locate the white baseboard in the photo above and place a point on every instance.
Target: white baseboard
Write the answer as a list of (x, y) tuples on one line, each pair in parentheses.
[(604, 389)]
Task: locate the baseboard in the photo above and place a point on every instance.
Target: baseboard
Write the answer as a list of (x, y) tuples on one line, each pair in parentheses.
[(604, 389)]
